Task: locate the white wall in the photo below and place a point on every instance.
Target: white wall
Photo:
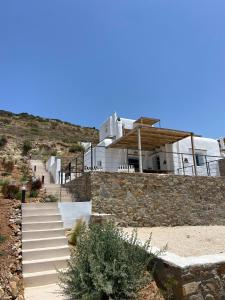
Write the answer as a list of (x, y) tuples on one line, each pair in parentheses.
[(53, 166), (72, 211), (205, 146), (113, 127)]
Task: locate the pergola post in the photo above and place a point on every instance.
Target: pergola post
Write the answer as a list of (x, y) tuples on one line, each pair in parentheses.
[(139, 150), (193, 154)]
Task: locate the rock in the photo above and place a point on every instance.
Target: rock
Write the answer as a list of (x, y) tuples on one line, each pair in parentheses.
[(209, 297), (13, 288), (1, 292)]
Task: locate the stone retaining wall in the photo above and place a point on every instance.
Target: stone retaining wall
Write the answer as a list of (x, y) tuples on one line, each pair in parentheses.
[(155, 200), (197, 282)]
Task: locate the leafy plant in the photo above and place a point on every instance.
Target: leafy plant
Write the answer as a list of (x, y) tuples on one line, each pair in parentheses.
[(27, 146), (10, 190), (3, 141), (107, 264), (2, 238), (75, 233), (35, 184), (51, 198), (18, 196), (75, 148), (33, 193)]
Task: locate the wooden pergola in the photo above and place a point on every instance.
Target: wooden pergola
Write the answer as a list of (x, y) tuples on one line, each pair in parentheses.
[(144, 137)]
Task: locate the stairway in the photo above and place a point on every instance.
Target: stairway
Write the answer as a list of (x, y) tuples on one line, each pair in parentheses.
[(53, 189), (44, 245)]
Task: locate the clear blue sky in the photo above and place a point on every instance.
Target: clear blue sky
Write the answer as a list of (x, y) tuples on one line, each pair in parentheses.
[(80, 60)]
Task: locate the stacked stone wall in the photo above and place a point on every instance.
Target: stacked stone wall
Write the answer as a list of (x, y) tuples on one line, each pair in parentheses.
[(159, 200)]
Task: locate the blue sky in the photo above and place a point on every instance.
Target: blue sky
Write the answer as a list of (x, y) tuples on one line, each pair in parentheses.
[(80, 60)]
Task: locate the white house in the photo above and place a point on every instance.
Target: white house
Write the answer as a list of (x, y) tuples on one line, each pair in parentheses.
[(127, 145)]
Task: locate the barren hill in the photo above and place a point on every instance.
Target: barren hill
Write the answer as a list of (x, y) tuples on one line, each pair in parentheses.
[(47, 136)]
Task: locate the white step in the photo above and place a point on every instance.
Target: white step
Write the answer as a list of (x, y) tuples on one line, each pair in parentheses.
[(41, 253), (41, 218), (44, 243), (40, 205), (40, 278), (42, 225), (45, 264), (39, 234), (39, 212)]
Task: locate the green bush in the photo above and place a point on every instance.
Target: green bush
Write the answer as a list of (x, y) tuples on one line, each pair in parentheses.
[(3, 141), (35, 184), (19, 195), (2, 238), (9, 190), (75, 233), (50, 198), (27, 146), (33, 194), (76, 148), (107, 264)]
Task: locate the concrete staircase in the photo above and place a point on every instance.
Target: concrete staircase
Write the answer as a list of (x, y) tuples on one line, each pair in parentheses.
[(44, 245), (53, 189)]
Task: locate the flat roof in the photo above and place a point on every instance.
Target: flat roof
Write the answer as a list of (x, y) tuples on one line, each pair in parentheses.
[(147, 121), (151, 138)]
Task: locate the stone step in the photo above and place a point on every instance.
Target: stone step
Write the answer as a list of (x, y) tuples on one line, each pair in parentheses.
[(39, 211), (42, 253), (40, 234), (41, 218), (44, 243), (42, 225), (45, 264), (40, 278)]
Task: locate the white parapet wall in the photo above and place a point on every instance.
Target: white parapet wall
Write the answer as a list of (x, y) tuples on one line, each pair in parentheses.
[(73, 211), (53, 166)]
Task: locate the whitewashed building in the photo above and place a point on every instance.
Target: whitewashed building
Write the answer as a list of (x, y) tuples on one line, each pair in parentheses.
[(127, 145)]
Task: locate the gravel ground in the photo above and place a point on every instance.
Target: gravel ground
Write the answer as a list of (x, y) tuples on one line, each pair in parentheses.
[(185, 240)]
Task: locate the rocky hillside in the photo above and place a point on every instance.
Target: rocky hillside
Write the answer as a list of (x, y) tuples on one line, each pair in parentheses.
[(44, 136)]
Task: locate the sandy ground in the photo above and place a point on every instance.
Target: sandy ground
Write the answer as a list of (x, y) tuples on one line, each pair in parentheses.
[(185, 240)]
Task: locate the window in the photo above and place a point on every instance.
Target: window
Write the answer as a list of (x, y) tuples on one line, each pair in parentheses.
[(200, 159)]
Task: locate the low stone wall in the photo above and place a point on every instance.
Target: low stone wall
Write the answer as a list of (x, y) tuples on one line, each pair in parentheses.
[(197, 282), (222, 167), (155, 200)]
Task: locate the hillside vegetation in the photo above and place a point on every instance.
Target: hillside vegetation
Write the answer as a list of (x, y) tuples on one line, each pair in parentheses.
[(41, 136)]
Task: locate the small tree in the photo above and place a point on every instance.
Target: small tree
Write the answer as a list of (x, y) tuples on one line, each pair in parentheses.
[(107, 264), (3, 141), (76, 148), (27, 146), (10, 190)]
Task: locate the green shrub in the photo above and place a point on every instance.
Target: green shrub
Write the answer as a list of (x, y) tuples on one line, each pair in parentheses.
[(3, 141), (33, 194), (107, 264), (76, 148), (53, 153), (2, 238), (75, 233), (9, 190), (19, 195), (50, 198), (27, 146), (35, 184)]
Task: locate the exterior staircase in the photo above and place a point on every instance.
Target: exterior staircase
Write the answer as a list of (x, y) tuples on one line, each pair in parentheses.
[(44, 244), (53, 189)]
